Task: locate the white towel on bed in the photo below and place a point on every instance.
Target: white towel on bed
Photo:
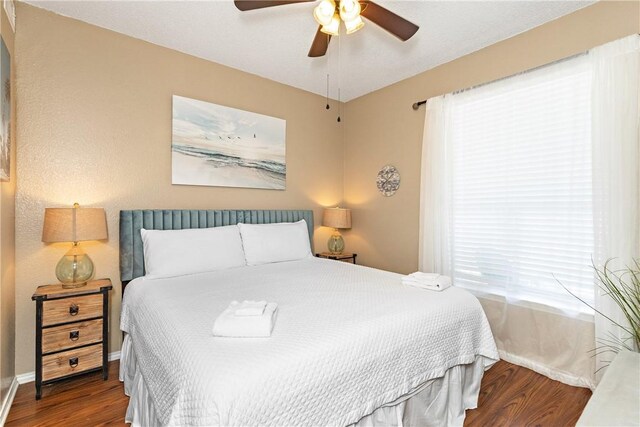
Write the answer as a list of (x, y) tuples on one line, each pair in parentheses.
[(228, 324), (430, 281), (249, 308)]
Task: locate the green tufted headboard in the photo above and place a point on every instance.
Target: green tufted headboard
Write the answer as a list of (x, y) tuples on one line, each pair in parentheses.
[(131, 221)]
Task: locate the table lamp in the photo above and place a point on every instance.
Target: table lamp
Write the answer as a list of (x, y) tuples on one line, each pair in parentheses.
[(74, 225), (337, 218)]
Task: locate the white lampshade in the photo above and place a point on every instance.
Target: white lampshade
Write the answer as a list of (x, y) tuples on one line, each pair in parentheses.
[(354, 25), (323, 13), (337, 218), (333, 28), (349, 10), (74, 224)]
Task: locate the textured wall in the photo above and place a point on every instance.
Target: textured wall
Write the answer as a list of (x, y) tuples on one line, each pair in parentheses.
[(382, 128), (95, 127), (7, 237)]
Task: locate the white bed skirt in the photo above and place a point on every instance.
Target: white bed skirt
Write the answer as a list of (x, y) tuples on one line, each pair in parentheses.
[(438, 402)]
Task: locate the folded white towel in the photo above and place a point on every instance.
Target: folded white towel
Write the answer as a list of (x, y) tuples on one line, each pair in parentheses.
[(424, 277), (228, 324), (430, 281), (249, 308)]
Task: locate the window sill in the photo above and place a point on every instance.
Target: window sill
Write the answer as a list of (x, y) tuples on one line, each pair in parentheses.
[(585, 314)]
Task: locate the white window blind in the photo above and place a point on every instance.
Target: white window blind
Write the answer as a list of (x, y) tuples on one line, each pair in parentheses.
[(522, 199)]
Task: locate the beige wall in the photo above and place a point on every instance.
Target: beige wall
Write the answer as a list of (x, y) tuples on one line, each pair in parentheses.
[(7, 236), (383, 129), (95, 127)]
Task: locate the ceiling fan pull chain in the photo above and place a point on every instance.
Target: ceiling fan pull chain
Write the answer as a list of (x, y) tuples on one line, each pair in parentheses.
[(339, 76), (328, 92), (339, 106)]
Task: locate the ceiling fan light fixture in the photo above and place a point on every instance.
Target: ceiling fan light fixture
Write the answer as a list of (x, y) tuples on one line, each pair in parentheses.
[(329, 13), (323, 13), (333, 28), (349, 10), (354, 25)]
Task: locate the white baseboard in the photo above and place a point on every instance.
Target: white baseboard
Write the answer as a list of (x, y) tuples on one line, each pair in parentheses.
[(8, 400), (26, 377), (31, 376)]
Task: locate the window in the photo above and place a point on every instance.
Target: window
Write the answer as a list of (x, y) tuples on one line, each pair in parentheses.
[(521, 186)]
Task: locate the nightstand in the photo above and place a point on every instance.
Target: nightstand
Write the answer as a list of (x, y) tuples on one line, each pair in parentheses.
[(339, 257), (72, 331)]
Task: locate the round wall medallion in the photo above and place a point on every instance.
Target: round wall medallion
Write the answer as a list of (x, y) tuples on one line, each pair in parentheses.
[(388, 180)]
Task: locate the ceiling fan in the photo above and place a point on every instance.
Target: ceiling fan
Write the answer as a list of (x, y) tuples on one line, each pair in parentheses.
[(329, 14)]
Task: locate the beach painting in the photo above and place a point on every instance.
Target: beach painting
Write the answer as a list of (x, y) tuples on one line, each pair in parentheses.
[(5, 112), (220, 146)]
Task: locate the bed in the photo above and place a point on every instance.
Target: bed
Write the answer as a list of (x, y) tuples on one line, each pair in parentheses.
[(351, 345)]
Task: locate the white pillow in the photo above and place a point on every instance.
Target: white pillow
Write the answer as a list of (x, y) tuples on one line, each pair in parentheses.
[(194, 250), (266, 243)]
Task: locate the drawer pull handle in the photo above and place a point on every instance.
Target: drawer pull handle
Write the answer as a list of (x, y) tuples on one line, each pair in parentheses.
[(73, 362), (74, 309), (74, 335)]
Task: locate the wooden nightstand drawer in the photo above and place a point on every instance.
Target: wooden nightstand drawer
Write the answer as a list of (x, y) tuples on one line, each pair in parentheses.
[(71, 309), (74, 335), (71, 362)]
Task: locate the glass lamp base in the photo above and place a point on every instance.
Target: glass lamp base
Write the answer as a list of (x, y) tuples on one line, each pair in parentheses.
[(74, 269), (74, 285), (335, 243)]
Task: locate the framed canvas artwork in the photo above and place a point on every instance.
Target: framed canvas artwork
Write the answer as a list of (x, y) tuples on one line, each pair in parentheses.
[(5, 112), (220, 146)]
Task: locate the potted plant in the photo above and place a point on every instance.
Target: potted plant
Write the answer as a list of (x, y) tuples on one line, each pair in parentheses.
[(623, 286)]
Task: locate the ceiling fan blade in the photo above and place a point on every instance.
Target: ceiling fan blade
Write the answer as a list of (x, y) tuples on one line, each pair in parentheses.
[(396, 25), (245, 5), (320, 44)]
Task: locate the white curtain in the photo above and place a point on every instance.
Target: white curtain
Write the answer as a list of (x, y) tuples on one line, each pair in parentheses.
[(434, 251), (555, 342), (616, 165)]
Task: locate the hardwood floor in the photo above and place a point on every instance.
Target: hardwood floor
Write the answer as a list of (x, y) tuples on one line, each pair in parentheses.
[(510, 396), (84, 401)]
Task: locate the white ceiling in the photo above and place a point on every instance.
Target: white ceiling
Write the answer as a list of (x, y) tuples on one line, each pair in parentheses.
[(274, 42)]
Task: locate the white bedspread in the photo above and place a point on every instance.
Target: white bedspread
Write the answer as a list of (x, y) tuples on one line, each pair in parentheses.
[(347, 340)]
